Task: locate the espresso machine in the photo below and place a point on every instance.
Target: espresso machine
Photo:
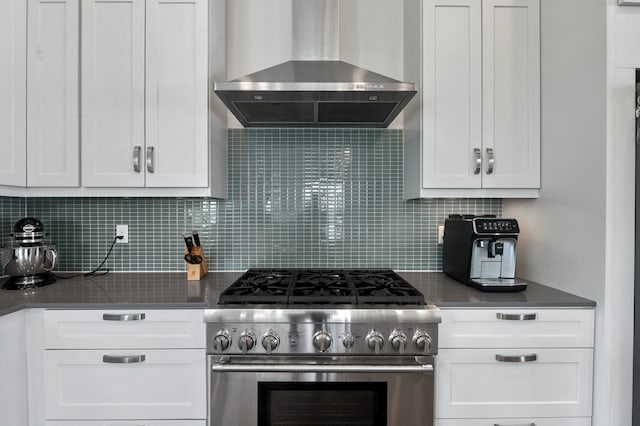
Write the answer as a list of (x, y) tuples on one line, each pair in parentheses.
[(481, 251)]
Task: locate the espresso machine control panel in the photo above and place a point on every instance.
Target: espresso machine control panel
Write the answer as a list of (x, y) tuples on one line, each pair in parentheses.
[(494, 226)]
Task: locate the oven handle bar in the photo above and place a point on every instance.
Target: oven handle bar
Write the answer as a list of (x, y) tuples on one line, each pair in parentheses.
[(302, 368)]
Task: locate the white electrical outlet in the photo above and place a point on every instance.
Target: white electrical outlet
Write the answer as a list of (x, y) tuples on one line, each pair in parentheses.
[(440, 234), (122, 231)]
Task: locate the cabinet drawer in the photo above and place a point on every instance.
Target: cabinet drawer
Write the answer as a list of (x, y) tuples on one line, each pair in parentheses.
[(127, 423), (509, 328), (473, 383), (578, 421), (123, 329), (125, 384)]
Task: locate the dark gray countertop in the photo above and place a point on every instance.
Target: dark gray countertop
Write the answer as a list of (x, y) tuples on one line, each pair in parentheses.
[(164, 290)]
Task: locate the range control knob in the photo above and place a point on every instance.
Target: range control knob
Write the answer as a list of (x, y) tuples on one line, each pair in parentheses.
[(221, 341), (270, 341), (246, 341), (322, 341), (375, 341), (422, 341), (398, 340), (348, 340)]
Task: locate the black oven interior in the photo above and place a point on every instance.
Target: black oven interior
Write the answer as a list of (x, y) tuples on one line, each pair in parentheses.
[(305, 404)]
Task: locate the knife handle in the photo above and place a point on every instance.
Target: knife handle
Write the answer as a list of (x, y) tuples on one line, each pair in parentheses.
[(196, 238), (188, 240)]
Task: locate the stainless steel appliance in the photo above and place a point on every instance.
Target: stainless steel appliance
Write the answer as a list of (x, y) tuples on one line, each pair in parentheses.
[(315, 89), (30, 259), (322, 347), (481, 251)]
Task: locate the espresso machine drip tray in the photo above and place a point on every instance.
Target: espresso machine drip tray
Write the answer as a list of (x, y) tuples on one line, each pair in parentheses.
[(498, 284)]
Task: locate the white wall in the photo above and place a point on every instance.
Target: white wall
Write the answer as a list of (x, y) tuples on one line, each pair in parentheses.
[(578, 236)]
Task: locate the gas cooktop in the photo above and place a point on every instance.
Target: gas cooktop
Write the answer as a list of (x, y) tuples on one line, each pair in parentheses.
[(321, 287)]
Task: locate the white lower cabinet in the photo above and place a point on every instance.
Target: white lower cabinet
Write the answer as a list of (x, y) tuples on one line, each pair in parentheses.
[(125, 384), (514, 382), (127, 423), (13, 370), (515, 422), (510, 367), (123, 368)]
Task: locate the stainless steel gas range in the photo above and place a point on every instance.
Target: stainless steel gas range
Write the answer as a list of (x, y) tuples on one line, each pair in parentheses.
[(321, 347)]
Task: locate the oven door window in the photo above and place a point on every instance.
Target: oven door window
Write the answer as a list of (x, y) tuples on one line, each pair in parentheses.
[(304, 404)]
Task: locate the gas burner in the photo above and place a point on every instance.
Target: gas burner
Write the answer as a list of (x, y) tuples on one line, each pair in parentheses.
[(321, 286), (383, 286), (259, 286)]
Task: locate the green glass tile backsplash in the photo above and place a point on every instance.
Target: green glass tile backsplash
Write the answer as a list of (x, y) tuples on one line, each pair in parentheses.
[(297, 198)]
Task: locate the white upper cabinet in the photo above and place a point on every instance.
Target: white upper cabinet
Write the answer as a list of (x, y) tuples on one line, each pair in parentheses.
[(113, 36), (13, 47), (52, 93), (511, 92), (144, 93), (176, 93), (39, 109), (474, 128)]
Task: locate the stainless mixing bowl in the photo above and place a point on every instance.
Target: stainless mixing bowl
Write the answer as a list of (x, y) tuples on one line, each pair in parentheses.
[(28, 261)]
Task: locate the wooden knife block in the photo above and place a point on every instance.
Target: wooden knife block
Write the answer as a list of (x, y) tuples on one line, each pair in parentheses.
[(197, 272)]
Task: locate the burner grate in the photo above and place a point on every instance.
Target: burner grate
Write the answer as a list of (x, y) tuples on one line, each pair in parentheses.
[(321, 286), (259, 286)]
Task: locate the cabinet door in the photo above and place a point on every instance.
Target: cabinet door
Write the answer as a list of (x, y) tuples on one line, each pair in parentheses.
[(13, 50), (176, 95), (527, 382), (510, 328), (125, 385), (112, 92), (52, 93), (137, 423), (527, 421), (13, 369), (452, 90), (511, 93), (124, 329)]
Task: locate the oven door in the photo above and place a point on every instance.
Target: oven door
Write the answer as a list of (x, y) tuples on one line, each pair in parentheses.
[(287, 391)]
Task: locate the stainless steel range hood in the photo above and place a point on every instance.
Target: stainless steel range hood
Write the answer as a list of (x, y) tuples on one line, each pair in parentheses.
[(315, 92)]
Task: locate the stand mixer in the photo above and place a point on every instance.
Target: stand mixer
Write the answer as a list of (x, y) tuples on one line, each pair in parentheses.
[(30, 259)]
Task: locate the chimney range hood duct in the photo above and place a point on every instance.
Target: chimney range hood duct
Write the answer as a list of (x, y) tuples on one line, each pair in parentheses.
[(315, 92)]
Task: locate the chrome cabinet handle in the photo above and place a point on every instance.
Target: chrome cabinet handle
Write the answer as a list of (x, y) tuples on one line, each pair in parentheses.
[(523, 424), (150, 159), (477, 153), (136, 158), (516, 317), (516, 358), (301, 368), (127, 359), (124, 317), (491, 159)]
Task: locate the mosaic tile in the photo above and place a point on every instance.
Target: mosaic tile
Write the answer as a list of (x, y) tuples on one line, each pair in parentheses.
[(297, 198)]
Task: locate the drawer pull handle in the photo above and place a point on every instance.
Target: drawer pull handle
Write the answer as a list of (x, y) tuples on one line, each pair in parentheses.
[(524, 424), (123, 317), (516, 358), (131, 359), (516, 317)]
